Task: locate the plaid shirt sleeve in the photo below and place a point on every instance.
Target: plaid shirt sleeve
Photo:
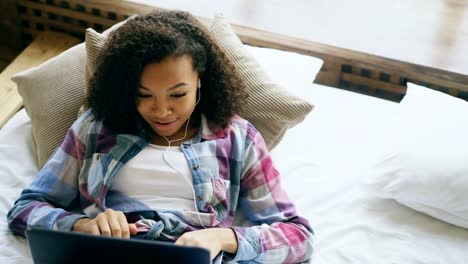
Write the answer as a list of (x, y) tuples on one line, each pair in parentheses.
[(56, 187), (281, 235)]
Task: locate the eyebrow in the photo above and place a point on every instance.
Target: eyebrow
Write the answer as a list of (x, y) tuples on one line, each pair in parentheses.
[(170, 88)]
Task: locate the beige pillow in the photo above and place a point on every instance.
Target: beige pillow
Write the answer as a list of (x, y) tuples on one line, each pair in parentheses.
[(270, 108), (96, 39), (92, 40), (52, 93)]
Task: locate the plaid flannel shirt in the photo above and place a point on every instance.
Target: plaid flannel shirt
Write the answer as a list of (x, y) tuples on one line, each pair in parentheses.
[(231, 169)]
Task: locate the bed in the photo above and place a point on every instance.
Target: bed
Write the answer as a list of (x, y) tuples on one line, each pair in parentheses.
[(352, 226), (324, 161)]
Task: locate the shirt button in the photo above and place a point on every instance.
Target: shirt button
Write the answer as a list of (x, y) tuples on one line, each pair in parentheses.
[(199, 198), (196, 166), (97, 157)]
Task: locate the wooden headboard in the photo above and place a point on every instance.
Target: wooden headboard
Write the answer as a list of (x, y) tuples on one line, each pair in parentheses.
[(347, 69)]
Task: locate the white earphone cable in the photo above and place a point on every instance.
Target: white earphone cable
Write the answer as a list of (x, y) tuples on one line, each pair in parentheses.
[(170, 165)]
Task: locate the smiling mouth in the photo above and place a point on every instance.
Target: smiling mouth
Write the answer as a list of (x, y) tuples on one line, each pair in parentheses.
[(163, 125)]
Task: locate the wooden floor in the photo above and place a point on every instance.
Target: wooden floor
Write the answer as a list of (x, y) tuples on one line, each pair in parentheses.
[(433, 33)]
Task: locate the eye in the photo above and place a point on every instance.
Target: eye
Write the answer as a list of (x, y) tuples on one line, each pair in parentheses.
[(139, 95), (179, 95)]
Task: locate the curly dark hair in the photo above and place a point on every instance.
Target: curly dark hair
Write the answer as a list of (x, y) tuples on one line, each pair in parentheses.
[(151, 38)]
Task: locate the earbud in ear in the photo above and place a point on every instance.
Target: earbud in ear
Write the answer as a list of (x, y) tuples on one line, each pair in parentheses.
[(198, 92)]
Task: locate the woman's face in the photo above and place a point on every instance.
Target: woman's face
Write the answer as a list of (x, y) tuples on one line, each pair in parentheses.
[(167, 95)]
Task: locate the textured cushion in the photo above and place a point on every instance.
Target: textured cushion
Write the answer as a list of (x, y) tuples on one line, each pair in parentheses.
[(270, 108), (93, 40), (426, 166), (52, 93)]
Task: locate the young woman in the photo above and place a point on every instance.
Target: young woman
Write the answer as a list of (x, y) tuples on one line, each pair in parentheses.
[(162, 154)]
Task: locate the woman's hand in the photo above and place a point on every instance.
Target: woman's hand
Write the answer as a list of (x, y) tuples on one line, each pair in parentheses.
[(109, 223), (213, 239)]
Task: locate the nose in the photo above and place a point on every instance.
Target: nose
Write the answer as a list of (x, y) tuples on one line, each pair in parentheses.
[(161, 109)]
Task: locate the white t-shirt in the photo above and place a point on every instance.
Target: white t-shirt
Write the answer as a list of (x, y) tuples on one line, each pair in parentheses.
[(149, 178)]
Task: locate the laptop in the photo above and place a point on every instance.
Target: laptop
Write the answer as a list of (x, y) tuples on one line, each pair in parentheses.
[(57, 247)]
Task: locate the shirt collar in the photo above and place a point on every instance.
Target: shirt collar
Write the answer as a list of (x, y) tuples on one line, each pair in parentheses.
[(209, 131)]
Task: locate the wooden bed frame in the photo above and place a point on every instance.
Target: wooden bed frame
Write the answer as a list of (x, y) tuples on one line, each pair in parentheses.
[(347, 69)]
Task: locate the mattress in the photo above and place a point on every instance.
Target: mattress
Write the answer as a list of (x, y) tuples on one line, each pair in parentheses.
[(17, 169), (322, 161)]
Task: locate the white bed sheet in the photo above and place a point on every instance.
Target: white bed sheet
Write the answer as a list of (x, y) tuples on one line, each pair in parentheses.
[(17, 169), (322, 161)]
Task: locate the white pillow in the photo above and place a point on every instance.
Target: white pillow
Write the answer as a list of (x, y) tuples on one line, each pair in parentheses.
[(427, 163), (289, 69)]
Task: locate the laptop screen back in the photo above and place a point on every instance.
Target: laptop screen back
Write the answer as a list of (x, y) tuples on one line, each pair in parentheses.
[(53, 247)]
